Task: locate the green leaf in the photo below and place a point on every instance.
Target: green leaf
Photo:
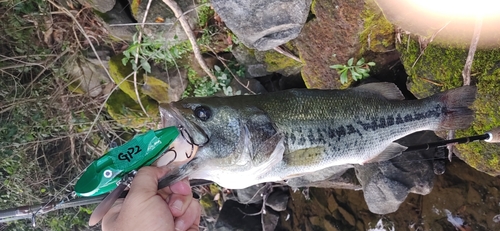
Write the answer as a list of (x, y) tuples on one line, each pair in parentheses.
[(356, 76), (343, 77), (360, 61), (145, 65), (337, 66), (353, 74), (124, 61), (371, 64), (350, 61)]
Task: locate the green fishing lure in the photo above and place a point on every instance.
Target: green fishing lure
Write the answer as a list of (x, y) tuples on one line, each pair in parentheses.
[(105, 173)]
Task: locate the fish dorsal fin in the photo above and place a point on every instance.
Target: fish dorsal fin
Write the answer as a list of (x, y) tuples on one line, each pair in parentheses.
[(393, 150), (387, 90)]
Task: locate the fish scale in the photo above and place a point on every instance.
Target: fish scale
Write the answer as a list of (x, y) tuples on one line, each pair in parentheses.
[(319, 129)]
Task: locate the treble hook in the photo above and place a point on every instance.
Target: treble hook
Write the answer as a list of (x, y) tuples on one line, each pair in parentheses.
[(175, 154), (190, 140)]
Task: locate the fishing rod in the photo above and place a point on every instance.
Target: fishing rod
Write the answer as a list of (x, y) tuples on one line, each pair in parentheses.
[(29, 212), (492, 136)]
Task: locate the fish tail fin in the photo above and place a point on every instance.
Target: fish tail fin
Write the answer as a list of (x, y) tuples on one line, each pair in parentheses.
[(457, 114)]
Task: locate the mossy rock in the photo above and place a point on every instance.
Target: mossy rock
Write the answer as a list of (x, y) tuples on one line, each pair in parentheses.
[(378, 32), (280, 63), (128, 113), (121, 75), (156, 89), (440, 68)]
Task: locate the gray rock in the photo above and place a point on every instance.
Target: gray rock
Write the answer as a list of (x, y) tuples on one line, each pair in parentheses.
[(234, 216), (246, 57), (263, 24), (102, 6), (387, 184), (248, 84), (177, 81), (256, 70), (90, 75), (271, 219), (170, 29), (115, 20), (282, 64), (278, 200), (256, 65)]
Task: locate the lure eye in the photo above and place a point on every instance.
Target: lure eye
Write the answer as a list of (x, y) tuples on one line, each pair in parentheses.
[(203, 113)]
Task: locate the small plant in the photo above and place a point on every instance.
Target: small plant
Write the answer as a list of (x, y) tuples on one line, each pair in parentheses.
[(154, 49), (200, 87), (357, 72)]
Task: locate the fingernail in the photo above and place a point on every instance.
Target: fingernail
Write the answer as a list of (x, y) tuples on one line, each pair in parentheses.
[(177, 205), (179, 225)]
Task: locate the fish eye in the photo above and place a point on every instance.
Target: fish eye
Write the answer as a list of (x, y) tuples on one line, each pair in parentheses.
[(203, 113)]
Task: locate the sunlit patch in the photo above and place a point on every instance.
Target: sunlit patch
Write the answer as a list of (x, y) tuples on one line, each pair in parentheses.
[(449, 22), (460, 8)]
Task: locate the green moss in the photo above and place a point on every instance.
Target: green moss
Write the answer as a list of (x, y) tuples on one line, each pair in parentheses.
[(278, 62), (156, 89), (207, 202), (313, 7), (440, 68), (129, 113), (121, 75), (134, 7), (378, 32)]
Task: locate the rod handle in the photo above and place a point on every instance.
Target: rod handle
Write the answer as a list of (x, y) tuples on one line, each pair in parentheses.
[(494, 136)]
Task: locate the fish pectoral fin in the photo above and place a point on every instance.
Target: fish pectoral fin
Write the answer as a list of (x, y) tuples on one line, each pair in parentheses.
[(269, 154), (393, 150), (387, 90), (304, 157)]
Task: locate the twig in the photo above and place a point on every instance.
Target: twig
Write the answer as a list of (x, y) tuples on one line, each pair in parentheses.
[(287, 54), (147, 23), (136, 58), (102, 107), (466, 71), (231, 72), (430, 40), (472, 50), (189, 32), (69, 14)]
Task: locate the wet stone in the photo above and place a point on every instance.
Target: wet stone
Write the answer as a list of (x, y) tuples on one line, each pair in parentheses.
[(271, 219), (387, 184), (233, 216), (263, 24), (250, 195), (278, 200)]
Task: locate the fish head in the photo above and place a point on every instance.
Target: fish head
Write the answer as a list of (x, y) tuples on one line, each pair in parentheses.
[(215, 127), (233, 137)]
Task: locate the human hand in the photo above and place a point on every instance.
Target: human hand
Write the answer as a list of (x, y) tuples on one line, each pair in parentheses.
[(147, 208)]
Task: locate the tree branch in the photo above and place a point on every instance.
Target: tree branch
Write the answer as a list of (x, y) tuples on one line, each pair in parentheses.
[(189, 32)]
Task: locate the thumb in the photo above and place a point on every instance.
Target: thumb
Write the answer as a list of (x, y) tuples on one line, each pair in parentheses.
[(145, 183)]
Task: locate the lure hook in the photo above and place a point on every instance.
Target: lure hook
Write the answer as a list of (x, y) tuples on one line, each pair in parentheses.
[(190, 140)]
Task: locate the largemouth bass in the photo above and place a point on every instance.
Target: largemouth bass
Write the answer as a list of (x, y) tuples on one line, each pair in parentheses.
[(245, 140)]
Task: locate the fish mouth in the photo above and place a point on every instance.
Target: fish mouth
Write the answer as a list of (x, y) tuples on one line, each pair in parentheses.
[(171, 116)]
